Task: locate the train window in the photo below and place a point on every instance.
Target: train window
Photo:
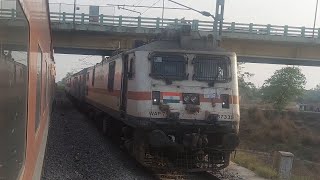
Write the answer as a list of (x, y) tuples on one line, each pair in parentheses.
[(212, 68), (131, 69), (15, 73), (21, 73), (45, 84), (39, 85), (112, 70), (14, 65), (166, 66), (93, 75)]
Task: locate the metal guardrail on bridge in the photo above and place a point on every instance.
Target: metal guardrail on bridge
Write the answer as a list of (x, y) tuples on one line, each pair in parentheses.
[(157, 23)]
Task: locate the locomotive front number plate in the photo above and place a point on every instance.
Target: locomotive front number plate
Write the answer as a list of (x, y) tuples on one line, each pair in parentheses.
[(225, 117)]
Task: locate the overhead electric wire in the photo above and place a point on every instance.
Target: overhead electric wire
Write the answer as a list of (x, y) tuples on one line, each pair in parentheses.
[(129, 10), (135, 7), (151, 6), (154, 7), (205, 13)]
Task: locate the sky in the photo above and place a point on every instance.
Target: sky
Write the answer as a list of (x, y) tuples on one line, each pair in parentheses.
[(276, 12)]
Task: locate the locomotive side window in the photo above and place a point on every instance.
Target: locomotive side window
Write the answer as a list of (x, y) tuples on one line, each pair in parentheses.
[(212, 68), (166, 66), (93, 75), (131, 69), (39, 85), (112, 70), (14, 65), (45, 84)]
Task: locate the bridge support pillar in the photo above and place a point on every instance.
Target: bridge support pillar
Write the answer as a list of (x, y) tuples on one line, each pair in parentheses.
[(13, 13), (268, 29), (233, 27), (286, 28), (250, 28), (195, 25), (101, 19), (303, 31), (120, 21), (158, 23), (82, 18), (139, 22), (64, 17)]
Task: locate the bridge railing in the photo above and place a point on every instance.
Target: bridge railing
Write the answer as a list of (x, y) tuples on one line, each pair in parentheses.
[(7, 13), (157, 23), (146, 22)]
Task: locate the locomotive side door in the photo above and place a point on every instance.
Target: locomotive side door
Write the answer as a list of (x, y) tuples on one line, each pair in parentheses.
[(124, 86)]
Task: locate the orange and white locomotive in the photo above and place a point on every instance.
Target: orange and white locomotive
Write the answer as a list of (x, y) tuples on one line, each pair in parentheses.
[(174, 100)]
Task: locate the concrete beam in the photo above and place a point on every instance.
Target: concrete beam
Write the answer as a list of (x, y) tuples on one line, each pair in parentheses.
[(61, 50), (93, 40), (278, 60), (285, 50)]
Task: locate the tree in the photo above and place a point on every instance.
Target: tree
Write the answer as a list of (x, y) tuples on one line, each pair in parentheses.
[(284, 86), (311, 95), (63, 81), (247, 90)]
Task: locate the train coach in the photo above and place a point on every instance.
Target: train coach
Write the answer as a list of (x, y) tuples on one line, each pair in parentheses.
[(27, 82), (174, 102)]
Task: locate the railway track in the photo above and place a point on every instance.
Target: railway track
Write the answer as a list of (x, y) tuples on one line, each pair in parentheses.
[(68, 124), (186, 176)]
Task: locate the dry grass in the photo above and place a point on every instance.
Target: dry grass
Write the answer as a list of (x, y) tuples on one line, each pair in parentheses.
[(269, 131), (272, 131), (253, 163)]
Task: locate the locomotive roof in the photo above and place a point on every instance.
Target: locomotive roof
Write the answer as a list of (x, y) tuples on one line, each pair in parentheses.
[(167, 45), (194, 46)]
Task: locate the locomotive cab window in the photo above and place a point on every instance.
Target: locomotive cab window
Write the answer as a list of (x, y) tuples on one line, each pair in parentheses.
[(164, 66), (131, 69), (212, 68)]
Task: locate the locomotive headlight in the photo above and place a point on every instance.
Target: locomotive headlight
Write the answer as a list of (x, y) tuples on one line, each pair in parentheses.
[(155, 97), (225, 101)]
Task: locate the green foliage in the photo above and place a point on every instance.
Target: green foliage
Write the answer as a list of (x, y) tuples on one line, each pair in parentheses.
[(247, 90), (311, 96), (283, 87), (63, 81)]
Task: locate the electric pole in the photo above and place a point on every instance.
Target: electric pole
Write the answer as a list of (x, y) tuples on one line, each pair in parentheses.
[(74, 13), (162, 11), (315, 19)]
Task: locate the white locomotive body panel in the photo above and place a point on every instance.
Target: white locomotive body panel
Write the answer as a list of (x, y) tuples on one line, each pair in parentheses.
[(164, 95)]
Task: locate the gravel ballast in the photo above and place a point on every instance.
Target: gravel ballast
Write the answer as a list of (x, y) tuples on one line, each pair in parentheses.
[(77, 150)]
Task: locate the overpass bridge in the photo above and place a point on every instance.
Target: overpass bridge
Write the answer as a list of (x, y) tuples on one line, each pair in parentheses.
[(81, 33)]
